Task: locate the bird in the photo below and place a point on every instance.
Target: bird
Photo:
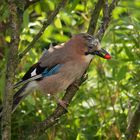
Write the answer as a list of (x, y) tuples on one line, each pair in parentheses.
[(59, 67)]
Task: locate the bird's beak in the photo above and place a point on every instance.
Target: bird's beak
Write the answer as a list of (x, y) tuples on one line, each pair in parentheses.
[(97, 50), (103, 53)]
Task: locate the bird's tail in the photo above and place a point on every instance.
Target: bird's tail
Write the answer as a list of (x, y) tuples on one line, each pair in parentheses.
[(19, 96)]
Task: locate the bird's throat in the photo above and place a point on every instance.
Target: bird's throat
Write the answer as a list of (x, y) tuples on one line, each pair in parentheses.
[(88, 57)]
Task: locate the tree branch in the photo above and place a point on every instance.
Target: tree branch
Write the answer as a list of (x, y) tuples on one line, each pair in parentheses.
[(94, 17), (107, 12), (10, 72), (133, 125), (45, 25)]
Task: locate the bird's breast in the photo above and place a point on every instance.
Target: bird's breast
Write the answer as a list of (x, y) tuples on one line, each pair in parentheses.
[(88, 58)]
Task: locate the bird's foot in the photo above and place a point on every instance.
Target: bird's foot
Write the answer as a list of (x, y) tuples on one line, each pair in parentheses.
[(63, 104)]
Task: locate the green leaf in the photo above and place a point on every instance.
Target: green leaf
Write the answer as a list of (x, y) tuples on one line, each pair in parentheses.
[(78, 136), (129, 53), (57, 23), (26, 18), (74, 4), (122, 73)]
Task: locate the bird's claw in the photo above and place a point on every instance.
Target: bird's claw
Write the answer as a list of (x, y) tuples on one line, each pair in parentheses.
[(63, 104)]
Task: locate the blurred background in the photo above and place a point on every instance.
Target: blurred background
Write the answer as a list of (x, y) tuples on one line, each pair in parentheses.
[(106, 101)]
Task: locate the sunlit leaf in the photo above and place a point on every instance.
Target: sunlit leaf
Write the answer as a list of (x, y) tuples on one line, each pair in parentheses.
[(57, 23), (26, 18)]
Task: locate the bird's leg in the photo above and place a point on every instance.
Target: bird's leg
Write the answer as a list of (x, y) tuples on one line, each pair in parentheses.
[(61, 102)]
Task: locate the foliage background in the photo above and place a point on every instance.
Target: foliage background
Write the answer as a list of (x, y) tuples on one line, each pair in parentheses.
[(106, 101)]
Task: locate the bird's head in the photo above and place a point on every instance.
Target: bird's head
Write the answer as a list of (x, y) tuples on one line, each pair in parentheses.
[(92, 46)]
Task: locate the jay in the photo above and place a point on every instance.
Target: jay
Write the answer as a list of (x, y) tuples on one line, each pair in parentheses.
[(59, 67)]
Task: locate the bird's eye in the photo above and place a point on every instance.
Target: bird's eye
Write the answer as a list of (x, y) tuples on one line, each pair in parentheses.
[(90, 47)]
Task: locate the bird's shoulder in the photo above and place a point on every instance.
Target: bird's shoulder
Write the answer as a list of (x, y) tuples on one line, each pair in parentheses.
[(51, 52)]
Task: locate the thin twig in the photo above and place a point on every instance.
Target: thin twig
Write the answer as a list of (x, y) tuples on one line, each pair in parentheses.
[(95, 16), (45, 25)]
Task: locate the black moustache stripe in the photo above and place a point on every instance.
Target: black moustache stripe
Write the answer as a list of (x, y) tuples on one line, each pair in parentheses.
[(87, 53)]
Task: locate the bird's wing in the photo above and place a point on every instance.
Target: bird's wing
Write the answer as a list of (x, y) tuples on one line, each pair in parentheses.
[(52, 66), (36, 73)]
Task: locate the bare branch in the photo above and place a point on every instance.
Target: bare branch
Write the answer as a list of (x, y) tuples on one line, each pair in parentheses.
[(95, 16), (107, 12), (45, 25), (133, 125)]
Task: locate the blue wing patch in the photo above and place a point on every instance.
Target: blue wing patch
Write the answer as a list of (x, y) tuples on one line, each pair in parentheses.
[(54, 70), (45, 73)]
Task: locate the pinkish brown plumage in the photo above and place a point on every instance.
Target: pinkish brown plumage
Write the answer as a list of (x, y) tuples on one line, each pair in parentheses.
[(60, 66)]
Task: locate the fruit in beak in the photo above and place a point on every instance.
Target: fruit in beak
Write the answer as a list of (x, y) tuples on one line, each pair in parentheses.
[(103, 53)]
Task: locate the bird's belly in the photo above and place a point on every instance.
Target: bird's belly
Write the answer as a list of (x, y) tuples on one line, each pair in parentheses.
[(64, 78), (54, 84)]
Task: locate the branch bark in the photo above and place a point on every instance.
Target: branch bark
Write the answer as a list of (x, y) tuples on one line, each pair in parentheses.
[(95, 16), (107, 13), (133, 125), (10, 73), (45, 25)]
